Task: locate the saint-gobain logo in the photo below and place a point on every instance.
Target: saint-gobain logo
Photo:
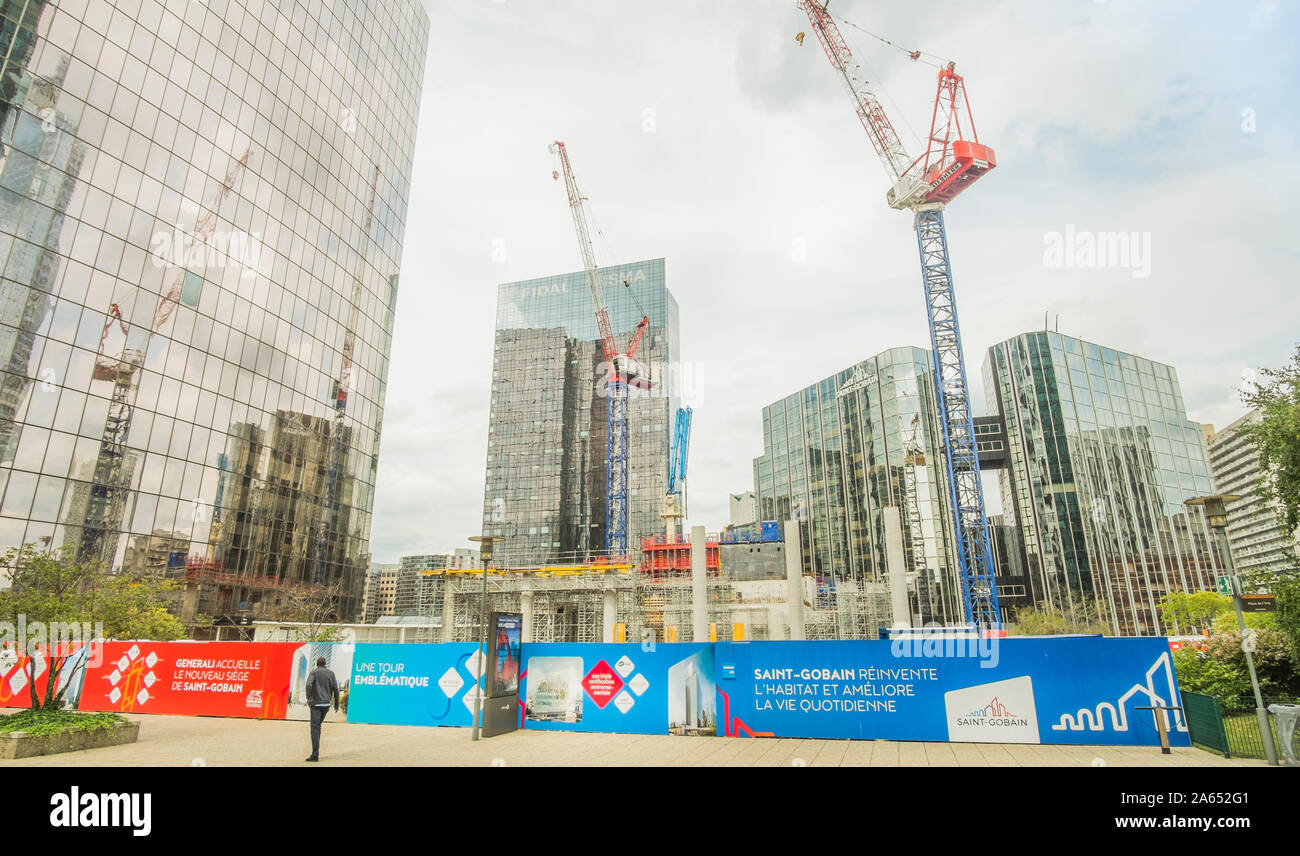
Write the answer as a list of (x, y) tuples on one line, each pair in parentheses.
[(994, 714), (254, 699), (122, 811)]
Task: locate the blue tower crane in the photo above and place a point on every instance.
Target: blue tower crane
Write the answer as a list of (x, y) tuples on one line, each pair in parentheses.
[(954, 159)]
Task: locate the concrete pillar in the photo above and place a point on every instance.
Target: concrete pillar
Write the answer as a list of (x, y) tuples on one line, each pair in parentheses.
[(896, 566), (448, 612), (610, 611), (526, 607), (794, 580), (699, 585)]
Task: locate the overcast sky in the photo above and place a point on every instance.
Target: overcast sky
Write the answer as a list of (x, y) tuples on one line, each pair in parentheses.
[(704, 134)]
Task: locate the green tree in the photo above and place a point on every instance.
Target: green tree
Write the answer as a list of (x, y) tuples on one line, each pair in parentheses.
[(1191, 612), (57, 589), (1199, 673), (1277, 436)]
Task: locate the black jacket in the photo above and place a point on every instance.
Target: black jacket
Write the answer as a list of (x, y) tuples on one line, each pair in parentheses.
[(322, 688)]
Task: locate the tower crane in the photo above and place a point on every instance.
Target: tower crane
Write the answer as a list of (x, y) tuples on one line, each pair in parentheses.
[(674, 505), (954, 159), (109, 484), (622, 371)]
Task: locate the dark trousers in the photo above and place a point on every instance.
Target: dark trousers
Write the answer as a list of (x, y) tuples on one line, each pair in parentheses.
[(317, 717)]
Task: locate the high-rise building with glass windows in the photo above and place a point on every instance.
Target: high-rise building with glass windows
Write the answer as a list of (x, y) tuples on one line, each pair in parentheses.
[(1257, 535), (834, 455), (202, 209), (545, 487), (1101, 461)]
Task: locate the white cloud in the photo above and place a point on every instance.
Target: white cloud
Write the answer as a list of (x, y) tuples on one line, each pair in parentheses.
[(1108, 116)]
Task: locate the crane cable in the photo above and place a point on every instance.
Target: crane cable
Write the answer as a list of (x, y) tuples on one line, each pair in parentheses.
[(914, 55), (609, 247)]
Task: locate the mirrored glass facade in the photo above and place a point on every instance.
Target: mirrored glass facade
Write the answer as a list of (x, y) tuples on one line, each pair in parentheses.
[(1102, 458), (833, 463), (545, 486), (202, 208)]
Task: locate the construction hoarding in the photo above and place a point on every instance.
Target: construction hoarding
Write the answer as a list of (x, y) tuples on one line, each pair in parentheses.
[(628, 689), (1074, 690)]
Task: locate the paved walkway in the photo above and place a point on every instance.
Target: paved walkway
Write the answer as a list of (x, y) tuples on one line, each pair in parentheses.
[(200, 741)]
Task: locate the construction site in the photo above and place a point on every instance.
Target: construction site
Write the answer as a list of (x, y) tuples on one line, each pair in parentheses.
[(733, 586)]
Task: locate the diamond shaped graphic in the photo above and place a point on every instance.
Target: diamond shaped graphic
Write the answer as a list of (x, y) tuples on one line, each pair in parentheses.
[(142, 696), (451, 682), (18, 681), (115, 677), (469, 699), (624, 702), (150, 680), (639, 685), (115, 695), (133, 651), (151, 659), (624, 666), (474, 663), (602, 684), (123, 663)]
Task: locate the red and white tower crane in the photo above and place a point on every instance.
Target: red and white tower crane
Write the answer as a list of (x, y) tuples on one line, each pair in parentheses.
[(622, 371), (954, 159)]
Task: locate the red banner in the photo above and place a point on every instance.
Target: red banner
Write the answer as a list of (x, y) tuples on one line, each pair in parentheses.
[(237, 679)]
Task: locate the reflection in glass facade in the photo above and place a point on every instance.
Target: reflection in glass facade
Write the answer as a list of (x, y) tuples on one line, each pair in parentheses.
[(545, 489), (202, 208), (1102, 459), (833, 463)]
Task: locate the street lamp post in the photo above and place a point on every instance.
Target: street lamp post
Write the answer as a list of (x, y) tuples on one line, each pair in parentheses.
[(485, 543), (1216, 515)]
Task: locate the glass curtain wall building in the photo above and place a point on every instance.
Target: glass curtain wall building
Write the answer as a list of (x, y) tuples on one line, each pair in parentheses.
[(832, 462), (1102, 458), (545, 486), (202, 208)]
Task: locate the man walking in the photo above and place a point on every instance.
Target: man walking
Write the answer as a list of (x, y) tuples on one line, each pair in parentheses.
[(322, 689)]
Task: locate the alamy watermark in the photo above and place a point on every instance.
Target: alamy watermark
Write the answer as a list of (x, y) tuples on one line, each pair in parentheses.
[(934, 642), (180, 249), (1081, 249), (23, 638)]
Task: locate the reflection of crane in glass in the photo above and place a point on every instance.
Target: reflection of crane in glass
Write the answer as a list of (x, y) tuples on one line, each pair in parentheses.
[(914, 460), (953, 160), (623, 371), (341, 390), (110, 482)]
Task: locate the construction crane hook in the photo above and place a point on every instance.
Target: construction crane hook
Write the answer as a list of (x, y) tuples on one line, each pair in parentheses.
[(799, 38), (555, 174)]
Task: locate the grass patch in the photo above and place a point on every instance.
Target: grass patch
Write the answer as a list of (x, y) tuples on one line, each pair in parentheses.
[(43, 723)]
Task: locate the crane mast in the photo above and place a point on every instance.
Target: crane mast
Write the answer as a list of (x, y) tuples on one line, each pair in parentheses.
[(925, 186), (622, 371)]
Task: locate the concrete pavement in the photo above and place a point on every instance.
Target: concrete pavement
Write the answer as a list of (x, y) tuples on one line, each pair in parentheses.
[(201, 741)]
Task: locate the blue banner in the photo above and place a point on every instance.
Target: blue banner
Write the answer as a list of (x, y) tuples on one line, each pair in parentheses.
[(414, 684), (1081, 690), (624, 688)]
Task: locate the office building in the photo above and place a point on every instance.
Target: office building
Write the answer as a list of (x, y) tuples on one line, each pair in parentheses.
[(202, 210), (545, 486), (1101, 458), (1257, 537), (744, 508), (835, 454)]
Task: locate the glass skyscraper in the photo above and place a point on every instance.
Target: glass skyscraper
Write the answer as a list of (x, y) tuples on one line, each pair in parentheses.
[(1101, 459), (545, 486), (832, 462), (202, 209)]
